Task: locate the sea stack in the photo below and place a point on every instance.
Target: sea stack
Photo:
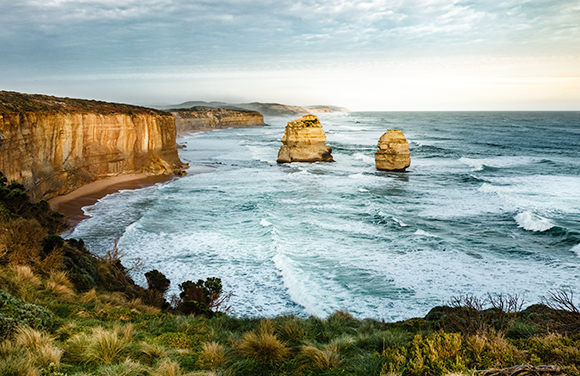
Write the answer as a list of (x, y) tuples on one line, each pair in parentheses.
[(304, 142), (394, 152)]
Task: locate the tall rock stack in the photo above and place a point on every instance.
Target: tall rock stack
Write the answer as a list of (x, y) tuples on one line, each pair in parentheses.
[(304, 142), (394, 152)]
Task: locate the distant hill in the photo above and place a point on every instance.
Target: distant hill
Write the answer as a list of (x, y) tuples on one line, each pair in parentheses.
[(266, 109)]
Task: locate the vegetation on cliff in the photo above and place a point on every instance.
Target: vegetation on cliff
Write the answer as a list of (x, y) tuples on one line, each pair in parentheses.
[(64, 311), (18, 102)]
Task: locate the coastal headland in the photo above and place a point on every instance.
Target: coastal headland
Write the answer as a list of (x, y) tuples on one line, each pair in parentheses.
[(55, 145)]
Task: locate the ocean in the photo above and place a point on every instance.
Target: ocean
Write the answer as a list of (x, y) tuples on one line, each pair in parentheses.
[(490, 204)]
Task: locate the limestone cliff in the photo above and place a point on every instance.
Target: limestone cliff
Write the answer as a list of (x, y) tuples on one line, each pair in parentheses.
[(199, 118), (304, 142), (394, 152), (55, 145)]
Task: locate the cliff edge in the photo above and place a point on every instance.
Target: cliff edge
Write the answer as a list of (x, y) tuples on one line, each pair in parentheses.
[(55, 145), (201, 118)]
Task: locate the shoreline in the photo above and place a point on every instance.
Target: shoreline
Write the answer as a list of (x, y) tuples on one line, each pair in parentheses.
[(72, 203)]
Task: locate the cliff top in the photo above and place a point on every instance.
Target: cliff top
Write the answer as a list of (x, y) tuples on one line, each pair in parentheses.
[(218, 110), (17, 102)]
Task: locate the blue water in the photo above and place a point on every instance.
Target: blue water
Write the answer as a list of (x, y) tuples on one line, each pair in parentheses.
[(491, 203)]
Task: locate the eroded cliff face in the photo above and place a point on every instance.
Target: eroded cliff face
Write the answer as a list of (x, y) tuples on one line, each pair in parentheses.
[(55, 145), (199, 118), (303, 141)]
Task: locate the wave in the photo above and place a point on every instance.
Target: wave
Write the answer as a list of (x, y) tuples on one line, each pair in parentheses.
[(499, 162), (364, 158), (576, 249), (533, 222), (265, 223), (424, 233), (298, 294)]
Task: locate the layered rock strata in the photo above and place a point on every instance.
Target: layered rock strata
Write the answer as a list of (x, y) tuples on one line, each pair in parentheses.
[(304, 142), (200, 118), (394, 152), (55, 145)]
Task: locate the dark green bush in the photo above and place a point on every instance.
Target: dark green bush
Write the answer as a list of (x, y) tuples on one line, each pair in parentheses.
[(15, 312)]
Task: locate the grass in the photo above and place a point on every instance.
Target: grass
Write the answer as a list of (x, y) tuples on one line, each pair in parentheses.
[(57, 330)]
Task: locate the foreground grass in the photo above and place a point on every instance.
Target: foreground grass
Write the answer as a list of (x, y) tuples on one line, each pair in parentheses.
[(50, 329)]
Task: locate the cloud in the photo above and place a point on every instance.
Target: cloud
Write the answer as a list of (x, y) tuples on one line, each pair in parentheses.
[(118, 40)]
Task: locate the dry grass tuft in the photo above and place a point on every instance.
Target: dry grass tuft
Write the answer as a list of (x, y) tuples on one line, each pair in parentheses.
[(325, 358), (106, 346), (263, 345), (39, 345), (127, 368), (15, 360), (139, 306), (168, 368), (23, 275), (153, 350), (291, 330), (58, 283), (76, 347), (212, 356), (90, 296)]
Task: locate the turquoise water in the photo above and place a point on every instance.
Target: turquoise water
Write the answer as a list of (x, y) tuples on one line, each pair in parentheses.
[(491, 203)]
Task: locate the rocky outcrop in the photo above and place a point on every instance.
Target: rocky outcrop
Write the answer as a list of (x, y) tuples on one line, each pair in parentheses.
[(304, 142), (55, 145), (394, 152), (201, 118)]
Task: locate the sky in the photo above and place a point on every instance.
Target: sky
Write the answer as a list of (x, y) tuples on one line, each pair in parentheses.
[(382, 55)]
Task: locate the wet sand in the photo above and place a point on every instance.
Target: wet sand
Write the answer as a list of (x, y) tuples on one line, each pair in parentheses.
[(71, 204)]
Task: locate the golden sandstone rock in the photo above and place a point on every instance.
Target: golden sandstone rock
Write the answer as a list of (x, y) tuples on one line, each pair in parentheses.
[(56, 145), (394, 152), (304, 142)]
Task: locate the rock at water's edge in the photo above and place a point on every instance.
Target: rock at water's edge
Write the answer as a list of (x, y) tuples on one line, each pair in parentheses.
[(394, 152), (304, 142)]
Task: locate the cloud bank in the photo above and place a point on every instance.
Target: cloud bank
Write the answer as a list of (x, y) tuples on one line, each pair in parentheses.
[(169, 49)]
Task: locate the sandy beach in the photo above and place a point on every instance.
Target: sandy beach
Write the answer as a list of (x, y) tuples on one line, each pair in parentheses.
[(71, 204)]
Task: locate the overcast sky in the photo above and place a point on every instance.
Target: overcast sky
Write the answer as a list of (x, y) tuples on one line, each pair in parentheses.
[(365, 55)]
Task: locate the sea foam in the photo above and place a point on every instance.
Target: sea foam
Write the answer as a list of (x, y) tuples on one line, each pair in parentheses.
[(533, 222)]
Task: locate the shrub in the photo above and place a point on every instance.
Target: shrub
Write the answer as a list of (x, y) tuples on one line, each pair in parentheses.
[(436, 354), (263, 345), (14, 312), (177, 340), (203, 298), (157, 281), (554, 349)]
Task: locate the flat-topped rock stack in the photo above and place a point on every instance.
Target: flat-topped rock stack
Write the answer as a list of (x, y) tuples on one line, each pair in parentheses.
[(394, 152), (304, 142)]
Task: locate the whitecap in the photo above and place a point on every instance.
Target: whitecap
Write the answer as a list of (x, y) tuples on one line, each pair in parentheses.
[(576, 249), (401, 223), (424, 233), (533, 222), (498, 162), (265, 223), (363, 190), (364, 158)]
